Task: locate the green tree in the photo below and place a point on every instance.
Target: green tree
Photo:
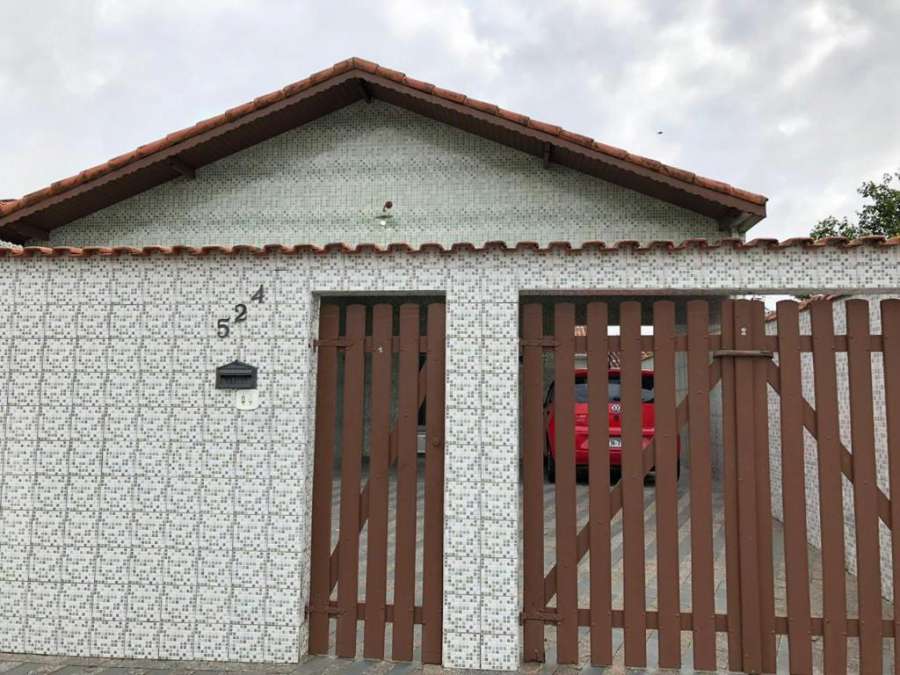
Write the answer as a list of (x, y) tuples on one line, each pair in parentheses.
[(880, 215)]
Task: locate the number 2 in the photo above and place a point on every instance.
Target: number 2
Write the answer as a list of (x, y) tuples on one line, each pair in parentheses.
[(241, 313)]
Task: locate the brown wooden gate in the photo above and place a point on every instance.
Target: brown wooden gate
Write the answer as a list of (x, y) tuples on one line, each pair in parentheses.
[(400, 590), (748, 363)]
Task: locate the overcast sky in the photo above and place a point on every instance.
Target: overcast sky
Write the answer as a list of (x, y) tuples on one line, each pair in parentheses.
[(797, 100)]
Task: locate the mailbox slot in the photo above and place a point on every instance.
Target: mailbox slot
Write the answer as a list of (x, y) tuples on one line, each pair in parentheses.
[(236, 375)]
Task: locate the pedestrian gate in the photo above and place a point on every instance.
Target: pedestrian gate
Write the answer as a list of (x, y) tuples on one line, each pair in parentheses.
[(747, 363), (388, 384)]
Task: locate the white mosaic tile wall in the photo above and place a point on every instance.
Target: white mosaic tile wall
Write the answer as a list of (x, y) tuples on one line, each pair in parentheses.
[(326, 181), (813, 521), (141, 516)]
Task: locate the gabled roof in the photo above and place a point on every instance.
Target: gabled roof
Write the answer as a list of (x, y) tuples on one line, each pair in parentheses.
[(181, 152)]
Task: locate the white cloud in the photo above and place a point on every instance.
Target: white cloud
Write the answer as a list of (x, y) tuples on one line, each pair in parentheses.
[(827, 30), (84, 81), (449, 24), (793, 125)]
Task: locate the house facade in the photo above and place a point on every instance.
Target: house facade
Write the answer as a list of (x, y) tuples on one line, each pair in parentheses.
[(143, 515)]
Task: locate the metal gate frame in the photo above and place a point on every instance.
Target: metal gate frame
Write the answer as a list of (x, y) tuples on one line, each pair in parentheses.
[(741, 357), (391, 442)]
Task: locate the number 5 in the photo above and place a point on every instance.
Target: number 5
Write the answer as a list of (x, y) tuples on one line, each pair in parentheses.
[(222, 328)]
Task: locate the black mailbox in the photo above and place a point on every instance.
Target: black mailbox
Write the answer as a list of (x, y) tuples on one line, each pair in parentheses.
[(236, 375)]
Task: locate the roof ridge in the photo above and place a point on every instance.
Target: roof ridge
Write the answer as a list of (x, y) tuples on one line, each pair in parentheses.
[(259, 103)]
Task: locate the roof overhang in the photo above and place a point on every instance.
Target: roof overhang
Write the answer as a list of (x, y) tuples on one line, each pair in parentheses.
[(181, 153)]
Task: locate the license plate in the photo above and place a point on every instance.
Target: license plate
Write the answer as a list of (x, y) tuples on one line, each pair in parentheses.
[(615, 442)]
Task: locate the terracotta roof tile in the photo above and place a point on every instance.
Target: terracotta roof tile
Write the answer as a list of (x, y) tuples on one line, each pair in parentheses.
[(551, 129), (150, 148), (64, 184), (371, 68), (207, 124), (268, 99), (680, 174), (418, 84), (297, 87), (483, 106), (36, 196), (364, 65), (803, 305), (321, 75), (93, 172), (610, 150), (645, 162), (518, 118), (400, 247), (449, 94), (390, 74), (716, 185), (187, 132), (578, 139), (342, 66)]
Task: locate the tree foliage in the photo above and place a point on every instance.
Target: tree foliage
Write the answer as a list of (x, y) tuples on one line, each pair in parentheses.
[(880, 215)]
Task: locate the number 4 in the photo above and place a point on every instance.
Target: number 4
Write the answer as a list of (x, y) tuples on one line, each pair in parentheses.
[(259, 296)]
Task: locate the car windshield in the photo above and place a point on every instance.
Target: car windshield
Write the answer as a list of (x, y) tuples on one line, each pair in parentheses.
[(581, 388)]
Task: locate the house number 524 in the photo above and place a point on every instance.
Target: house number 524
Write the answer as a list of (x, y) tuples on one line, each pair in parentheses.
[(223, 325)]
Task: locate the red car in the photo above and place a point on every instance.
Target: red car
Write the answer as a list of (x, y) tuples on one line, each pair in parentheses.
[(615, 421)]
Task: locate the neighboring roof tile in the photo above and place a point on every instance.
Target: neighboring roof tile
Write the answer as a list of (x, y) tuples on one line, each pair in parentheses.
[(804, 304), (367, 68), (400, 247)]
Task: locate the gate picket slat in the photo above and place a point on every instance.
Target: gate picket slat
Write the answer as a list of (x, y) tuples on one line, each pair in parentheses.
[(564, 410), (744, 435), (351, 461), (407, 476), (732, 533), (533, 488), (320, 546), (794, 488), (379, 438), (702, 578), (432, 582), (633, 487), (763, 490), (890, 327), (862, 431), (667, 575), (598, 484), (830, 487)]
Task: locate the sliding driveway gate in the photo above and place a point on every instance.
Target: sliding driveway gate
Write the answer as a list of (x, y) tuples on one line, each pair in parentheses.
[(747, 363), (384, 571)]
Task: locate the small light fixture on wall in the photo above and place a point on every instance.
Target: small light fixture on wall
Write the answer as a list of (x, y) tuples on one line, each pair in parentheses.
[(385, 216)]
